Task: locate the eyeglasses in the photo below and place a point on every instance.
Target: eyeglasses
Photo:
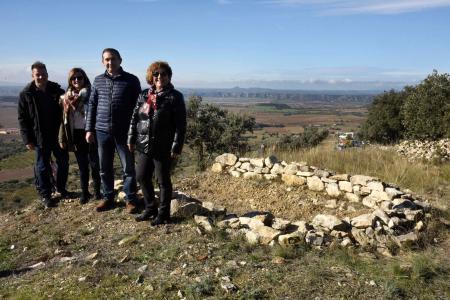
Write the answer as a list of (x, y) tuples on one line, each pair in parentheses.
[(156, 74), (79, 78)]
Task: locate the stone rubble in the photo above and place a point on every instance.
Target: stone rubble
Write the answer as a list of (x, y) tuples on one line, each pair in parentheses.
[(396, 215), (425, 150)]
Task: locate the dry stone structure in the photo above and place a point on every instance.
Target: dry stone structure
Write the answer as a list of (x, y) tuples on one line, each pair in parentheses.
[(425, 150), (396, 217)]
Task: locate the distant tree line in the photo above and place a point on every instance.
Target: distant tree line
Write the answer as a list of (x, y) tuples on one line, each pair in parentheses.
[(311, 137), (416, 112)]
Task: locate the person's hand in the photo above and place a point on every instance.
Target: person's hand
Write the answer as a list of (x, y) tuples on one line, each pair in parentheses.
[(89, 137), (62, 145), (30, 146), (131, 147)]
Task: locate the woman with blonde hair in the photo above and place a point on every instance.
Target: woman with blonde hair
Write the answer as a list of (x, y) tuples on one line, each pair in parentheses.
[(157, 132), (72, 133)]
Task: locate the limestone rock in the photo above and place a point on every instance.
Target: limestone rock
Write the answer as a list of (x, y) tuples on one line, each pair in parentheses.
[(329, 222), (361, 179), (305, 173), (362, 221), (393, 192), (228, 159), (280, 224), (331, 204), (321, 173), (257, 162), (380, 196), (293, 180), (328, 180), (265, 234), (352, 197), (291, 169), (340, 177), (236, 174), (333, 190), (315, 184), (403, 203), (370, 201), (360, 236), (345, 186), (380, 214), (217, 168), (302, 226), (277, 169), (375, 186), (408, 238)]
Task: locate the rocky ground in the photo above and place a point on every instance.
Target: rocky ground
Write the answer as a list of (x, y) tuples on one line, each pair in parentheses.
[(74, 252)]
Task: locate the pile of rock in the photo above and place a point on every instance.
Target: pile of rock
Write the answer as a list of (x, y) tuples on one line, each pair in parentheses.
[(425, 150), (396, 217)]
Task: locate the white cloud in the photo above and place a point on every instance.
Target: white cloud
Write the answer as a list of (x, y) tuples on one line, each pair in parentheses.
[(364, 6)]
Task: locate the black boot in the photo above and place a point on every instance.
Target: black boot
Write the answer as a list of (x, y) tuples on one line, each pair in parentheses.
[(147, 215), (161, 219), (84, 197), (97, 191)]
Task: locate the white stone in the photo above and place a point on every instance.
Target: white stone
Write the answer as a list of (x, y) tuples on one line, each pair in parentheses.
[(305, 174), (379, 213), (329, 222), (228, 159), (302, 226), (277, 169), (270, 176), (328, 180), (333, 190), (331, 204), (236, 174), (376, 186), (291, 169), (217, 168), (315, 184), (345, 186), (203, 222), (369, 201), (352, 197), (362, 221), (314, 238), (380, 196), (361, 179), (257, 162), (280, 224), (393, 192), (340, 177)]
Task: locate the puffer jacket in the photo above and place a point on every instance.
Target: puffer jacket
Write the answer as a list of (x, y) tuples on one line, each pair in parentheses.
[(162, 132), (111, 103), (28, 112)]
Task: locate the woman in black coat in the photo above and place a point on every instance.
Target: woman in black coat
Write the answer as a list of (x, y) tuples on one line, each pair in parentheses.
[(157, 132)]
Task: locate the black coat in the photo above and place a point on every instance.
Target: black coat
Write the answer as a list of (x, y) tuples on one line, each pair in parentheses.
[(28, 113), (162, 132)]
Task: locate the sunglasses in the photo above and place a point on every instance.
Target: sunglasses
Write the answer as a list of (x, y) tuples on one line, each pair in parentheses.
[(79, 78), (156, 74)]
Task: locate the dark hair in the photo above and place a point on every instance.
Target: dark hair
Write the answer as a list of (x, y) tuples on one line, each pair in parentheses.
[(156, 66), (38, 65), (113, 51), (73, 71)]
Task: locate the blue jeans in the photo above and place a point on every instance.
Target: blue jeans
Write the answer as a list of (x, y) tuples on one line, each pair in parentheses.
[(107, 144), (44, 172)]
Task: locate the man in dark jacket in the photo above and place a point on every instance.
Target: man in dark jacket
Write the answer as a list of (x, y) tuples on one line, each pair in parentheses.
[(113, 97), (39, 117)]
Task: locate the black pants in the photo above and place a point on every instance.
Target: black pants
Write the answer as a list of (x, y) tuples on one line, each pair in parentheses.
[(146, 166), (86, 155)]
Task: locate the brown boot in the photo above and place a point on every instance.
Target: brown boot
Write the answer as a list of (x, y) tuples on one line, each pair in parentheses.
[(131, 208), (105, 205)]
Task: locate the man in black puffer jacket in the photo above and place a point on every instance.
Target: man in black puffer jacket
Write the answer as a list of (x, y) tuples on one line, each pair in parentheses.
[(157, 132), (40, 117), (113, 97)]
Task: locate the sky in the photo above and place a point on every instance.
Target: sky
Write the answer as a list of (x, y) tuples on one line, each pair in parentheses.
[(280, 44)]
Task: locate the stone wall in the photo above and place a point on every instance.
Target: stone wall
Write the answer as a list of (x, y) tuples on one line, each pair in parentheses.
[(425, 150), (397, 217)]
